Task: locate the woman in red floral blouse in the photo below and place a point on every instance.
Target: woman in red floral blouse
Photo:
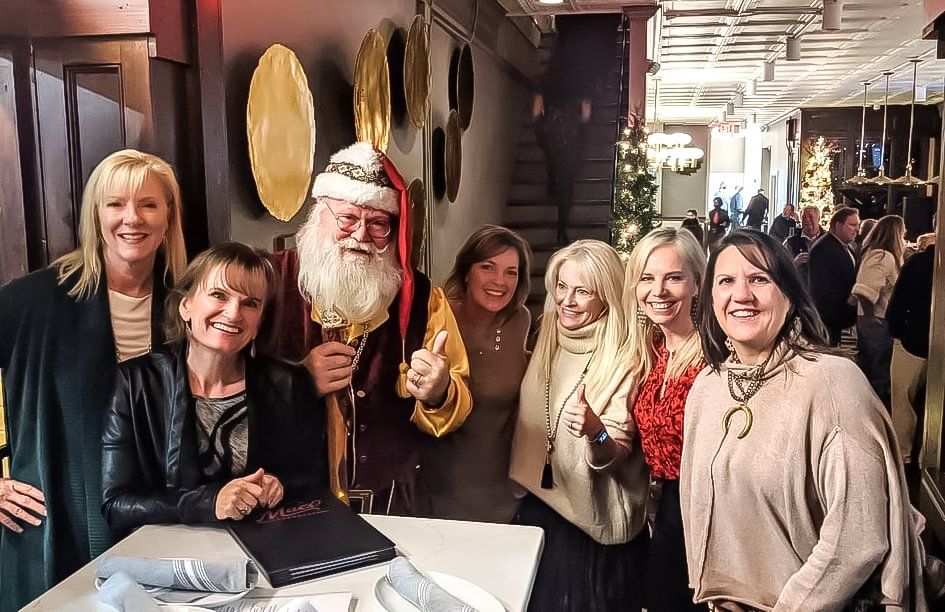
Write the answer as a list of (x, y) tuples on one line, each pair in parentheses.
[(663, 278)]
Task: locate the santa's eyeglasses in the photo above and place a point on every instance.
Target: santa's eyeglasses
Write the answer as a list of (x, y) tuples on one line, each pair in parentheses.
[(376, 228)]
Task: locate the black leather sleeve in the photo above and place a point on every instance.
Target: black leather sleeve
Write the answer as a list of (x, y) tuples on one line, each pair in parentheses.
[(301, 462), (131, 496)]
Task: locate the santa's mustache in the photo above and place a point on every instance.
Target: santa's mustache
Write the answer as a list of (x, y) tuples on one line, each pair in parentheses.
[(368, 248)]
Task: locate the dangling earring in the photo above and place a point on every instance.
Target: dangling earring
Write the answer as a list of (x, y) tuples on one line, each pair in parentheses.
[(252, 348), (731, 350), (694, 310), (641, 317)]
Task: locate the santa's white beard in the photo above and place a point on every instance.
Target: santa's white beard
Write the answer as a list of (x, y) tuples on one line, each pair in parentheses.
[(358, 287)]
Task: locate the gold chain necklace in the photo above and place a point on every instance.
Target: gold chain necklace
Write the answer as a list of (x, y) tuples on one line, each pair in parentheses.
[(551, 433), (357, 354), (742, 387)]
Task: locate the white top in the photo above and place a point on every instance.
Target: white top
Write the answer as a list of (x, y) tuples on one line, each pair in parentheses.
[(875, 280), (131, 323), (502, 559)]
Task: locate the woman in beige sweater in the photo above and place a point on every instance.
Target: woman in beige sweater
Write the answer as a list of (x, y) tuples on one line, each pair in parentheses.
[(575, 450), (793, 492), (880, 262)]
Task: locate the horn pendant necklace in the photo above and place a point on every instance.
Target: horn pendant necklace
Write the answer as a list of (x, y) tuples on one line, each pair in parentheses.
[(742, 387)]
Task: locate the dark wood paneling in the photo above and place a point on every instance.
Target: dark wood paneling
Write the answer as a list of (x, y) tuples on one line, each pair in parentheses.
[(13, 258), (213, 112), (842, 127), (93, 97), (56, 18), (171, 26)]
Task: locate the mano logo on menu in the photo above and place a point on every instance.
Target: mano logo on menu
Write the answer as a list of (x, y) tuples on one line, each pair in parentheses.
[(286, 512)]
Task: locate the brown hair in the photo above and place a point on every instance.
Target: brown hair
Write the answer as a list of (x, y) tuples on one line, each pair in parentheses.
[(802, 330), (486, 242), (223, 256), (887, 235), (841, 215)]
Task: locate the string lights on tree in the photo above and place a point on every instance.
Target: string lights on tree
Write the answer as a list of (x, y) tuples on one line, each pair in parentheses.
[(634, 200), (817, 182)]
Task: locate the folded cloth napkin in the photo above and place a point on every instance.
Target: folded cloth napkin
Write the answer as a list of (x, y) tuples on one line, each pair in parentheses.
[(420, 590), (299, 604), (226, 576), (123, 594)]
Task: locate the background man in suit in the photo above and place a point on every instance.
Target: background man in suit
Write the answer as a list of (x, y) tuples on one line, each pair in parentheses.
[(833, 273), (757, 210), (799, 244)]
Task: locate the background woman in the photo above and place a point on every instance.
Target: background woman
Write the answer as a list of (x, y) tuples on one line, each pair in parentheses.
[(718, 223), (664, 274), (880, 262), (469, 471), (202, 430), (573, 449), (804, 488), (63, 329)]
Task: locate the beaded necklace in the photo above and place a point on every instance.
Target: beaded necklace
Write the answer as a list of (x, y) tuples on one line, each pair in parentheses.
[(742, 387), (551, 433)]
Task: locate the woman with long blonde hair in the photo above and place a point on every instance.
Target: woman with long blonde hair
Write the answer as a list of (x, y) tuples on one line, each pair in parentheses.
[(880, 262), (63, 330), (573, 450), (664, 274)]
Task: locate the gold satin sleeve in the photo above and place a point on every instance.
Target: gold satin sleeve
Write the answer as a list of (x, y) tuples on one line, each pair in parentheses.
[(439, 421)]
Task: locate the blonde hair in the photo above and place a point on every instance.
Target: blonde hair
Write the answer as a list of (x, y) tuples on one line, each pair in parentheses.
[(644, 335), (124, 169), (603, 272)]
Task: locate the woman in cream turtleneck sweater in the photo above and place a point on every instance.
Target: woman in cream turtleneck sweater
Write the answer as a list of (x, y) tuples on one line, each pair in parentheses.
[(574, 449), (793, 494)]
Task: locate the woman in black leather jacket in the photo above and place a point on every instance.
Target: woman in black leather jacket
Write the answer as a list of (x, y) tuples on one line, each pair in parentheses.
[(203, 430)]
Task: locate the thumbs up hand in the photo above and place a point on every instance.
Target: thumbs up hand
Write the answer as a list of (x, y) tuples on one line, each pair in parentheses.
[(429, 375), (579, 418)]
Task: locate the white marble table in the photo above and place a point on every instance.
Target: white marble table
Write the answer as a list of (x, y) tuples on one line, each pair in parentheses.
[(499, 558)]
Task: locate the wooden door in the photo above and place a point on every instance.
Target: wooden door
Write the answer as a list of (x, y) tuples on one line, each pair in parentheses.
[(92, 98), (13, 256)]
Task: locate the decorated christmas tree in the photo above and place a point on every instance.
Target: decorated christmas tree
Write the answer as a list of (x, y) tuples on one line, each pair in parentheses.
[(634, 207), (816, 184)]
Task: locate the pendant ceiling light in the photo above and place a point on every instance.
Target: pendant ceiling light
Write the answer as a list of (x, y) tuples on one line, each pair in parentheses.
[(669, 150), (907, 178), (881, 178), (860, 178), (937, 178)]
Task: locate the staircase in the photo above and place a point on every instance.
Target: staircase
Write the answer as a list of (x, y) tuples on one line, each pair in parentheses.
[(529, 210)]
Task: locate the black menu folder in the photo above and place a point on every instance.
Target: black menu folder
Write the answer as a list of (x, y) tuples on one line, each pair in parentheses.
[(303, 540)]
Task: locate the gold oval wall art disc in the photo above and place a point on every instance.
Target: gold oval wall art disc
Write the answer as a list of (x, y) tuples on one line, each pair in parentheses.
[(454, 155), (372, 92), (417, 72), (280, 127), (418, 218)]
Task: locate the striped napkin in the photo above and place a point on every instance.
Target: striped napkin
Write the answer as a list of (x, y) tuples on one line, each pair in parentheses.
[(420, 590), (226, 576)]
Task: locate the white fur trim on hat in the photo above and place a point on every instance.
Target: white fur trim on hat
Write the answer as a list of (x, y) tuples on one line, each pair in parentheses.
[(358, 192)]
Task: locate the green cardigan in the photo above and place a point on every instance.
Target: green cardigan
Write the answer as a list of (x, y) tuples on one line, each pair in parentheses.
[(58, 359)]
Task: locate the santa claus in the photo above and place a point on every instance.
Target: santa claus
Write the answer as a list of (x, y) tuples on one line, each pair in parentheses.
[(379, 340)]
